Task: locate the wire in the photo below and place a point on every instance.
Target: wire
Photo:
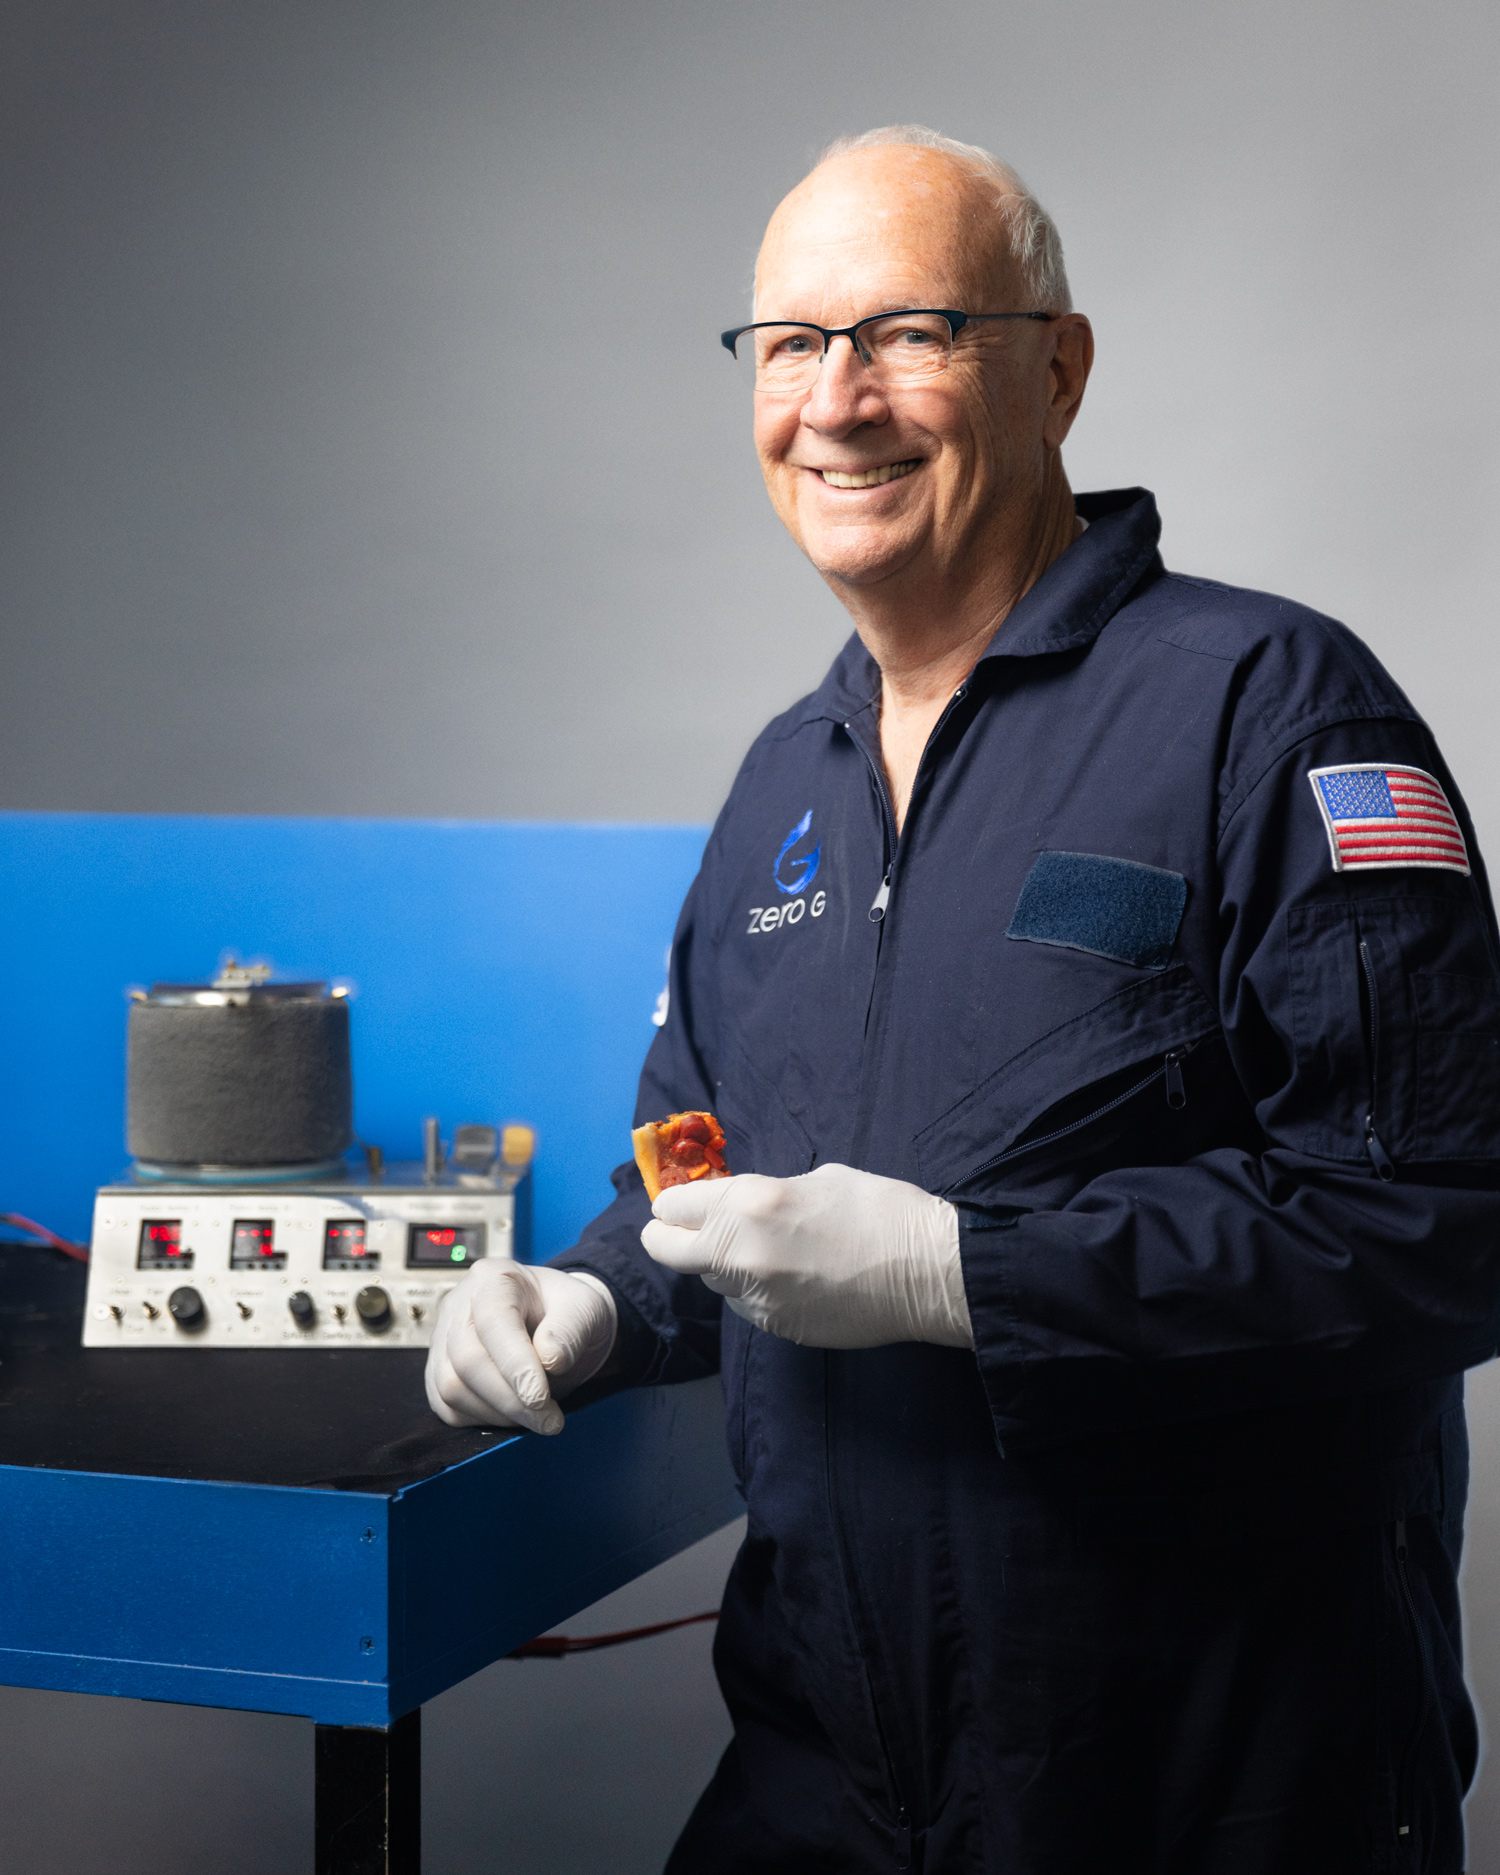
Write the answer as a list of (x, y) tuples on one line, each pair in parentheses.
[(551, 1646), (77, 1251)]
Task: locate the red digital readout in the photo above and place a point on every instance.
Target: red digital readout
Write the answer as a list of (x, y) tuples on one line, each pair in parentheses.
[(253, 1239), (441, 1239), (345, 1240), (161, 1244)]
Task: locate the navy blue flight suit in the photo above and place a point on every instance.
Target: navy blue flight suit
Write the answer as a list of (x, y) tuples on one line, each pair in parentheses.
[(1161, 1580)]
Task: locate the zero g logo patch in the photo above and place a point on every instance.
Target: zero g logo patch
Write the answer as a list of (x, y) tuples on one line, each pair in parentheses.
[(793, 875), (799, 873)]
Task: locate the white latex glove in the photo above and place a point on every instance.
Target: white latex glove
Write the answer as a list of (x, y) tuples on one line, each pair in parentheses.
[(512, 1339), (834, 1259)]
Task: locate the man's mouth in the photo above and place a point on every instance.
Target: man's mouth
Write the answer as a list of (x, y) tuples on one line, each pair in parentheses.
[(868, 478)]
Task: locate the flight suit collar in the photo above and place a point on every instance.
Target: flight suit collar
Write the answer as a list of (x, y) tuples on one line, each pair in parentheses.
[(1067, 607)]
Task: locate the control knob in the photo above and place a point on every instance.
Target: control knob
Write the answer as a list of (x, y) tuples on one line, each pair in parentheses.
[(185, 1306), (304, 1309), (373, 1306)]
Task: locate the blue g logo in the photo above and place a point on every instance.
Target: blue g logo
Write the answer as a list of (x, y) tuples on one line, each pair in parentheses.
[(800, 872)]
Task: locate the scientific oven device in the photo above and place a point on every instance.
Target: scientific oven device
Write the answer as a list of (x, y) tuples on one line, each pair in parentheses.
[(246, 1221)]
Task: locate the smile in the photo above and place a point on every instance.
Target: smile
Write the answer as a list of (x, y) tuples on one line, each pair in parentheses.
[(867, 478)]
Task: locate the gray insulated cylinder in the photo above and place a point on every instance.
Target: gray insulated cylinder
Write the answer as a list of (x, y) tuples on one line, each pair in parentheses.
[(263, 1082)]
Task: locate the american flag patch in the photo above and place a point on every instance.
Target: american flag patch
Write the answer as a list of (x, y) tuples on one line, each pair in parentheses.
[(1378, 814)]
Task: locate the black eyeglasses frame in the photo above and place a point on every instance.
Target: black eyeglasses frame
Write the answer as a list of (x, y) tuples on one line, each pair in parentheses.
[(956, 323)]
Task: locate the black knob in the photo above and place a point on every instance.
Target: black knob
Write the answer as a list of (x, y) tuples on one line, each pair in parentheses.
[(185, 1306), (303, 1308), (373, 1306)]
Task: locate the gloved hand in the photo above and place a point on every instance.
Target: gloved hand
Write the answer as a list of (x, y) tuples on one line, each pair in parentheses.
[(511, 1339), (834, 1259)]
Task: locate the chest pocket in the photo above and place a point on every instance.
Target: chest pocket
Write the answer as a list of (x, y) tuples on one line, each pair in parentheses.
[(1110, 1086)]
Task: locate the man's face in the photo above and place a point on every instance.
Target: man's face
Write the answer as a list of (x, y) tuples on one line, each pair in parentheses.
[(879, 230)]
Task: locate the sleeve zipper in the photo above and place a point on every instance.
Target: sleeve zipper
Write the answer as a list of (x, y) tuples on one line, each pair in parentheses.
[(1379, 1157)]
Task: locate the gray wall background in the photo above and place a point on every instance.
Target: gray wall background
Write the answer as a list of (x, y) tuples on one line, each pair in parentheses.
[(368, 450)]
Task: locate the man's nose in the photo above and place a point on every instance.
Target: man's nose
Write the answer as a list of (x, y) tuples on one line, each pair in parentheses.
[(845, 393)]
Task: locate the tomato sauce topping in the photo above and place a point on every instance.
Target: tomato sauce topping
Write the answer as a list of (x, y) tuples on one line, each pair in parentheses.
[(689, 1146)]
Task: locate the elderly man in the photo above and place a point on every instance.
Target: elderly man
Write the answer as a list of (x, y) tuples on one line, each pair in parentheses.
[(1097, 985)]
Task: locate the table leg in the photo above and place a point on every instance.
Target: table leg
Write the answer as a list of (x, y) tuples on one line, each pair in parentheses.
[(369, 1799)]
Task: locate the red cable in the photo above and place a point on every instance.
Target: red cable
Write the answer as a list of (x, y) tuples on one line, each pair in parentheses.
[(550, 1646), (76, 1250)]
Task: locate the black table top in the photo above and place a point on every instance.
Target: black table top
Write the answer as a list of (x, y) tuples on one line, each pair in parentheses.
[(331, 1418)]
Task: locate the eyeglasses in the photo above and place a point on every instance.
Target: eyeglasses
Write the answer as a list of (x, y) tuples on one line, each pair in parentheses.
[(906, 347)]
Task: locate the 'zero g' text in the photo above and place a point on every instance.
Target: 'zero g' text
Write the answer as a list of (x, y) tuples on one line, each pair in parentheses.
[(772, 917)]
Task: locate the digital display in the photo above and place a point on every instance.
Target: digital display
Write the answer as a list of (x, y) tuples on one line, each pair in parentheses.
[(253, 1245), (449, 1245), (344, 1245), (160, 1246)]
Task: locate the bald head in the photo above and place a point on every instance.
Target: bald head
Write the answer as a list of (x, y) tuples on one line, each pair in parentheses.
[(987, 202), (906, 203)]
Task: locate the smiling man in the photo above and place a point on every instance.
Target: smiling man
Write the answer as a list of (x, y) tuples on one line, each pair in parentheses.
[(921, 474), (1098, 987)]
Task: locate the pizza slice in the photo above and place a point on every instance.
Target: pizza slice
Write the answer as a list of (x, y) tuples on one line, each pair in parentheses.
[(679, 1149)]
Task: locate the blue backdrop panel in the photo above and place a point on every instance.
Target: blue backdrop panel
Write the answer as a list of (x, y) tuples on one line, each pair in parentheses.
[(500, 972)]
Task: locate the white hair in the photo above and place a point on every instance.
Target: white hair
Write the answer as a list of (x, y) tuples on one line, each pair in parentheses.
[(1030, 232)]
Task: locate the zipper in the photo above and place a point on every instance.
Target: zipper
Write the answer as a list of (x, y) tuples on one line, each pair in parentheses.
[(879, 908), (887, 845), (1169, 1071), (1404, 1777), (880, 904), (893, 839), (1379, 1157)]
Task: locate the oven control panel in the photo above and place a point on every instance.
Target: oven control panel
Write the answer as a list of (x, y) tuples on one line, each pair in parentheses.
[(361, 1263)]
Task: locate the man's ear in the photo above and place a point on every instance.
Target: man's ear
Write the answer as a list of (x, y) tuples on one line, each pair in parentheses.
[(1067, 374)]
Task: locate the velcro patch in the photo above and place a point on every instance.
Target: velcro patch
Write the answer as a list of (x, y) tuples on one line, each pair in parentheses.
[(1387, 814), (1115, 908)]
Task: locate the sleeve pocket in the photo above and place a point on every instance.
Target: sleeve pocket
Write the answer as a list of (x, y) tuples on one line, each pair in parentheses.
[(1376, 1035)]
